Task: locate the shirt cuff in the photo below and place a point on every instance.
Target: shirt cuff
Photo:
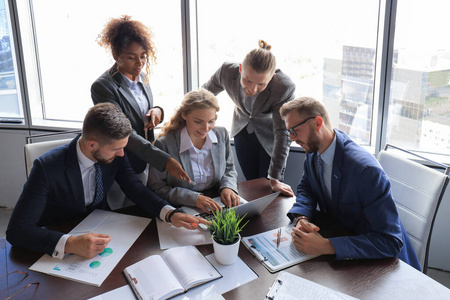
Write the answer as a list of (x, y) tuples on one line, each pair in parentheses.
[(164, 211), (60, 246), (270, 177)]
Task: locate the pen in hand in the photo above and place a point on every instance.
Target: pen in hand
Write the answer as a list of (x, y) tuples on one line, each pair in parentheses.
[(278, 237), (194, 184)]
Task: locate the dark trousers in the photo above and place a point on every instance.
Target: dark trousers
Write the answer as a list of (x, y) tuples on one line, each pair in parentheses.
[(252, 157)]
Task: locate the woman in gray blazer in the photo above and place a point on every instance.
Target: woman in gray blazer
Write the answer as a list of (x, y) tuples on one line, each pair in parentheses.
[(203, 150), (258, 90), (125, 86)]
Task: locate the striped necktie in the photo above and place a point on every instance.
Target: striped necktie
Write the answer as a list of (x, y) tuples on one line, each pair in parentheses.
[(98, 198)]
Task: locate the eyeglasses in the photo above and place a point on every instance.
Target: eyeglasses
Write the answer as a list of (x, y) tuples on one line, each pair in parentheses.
[(292, 131), (24, 288)]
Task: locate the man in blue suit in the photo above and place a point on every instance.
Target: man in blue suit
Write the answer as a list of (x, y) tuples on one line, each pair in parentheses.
[(67, 183), (350, 188)]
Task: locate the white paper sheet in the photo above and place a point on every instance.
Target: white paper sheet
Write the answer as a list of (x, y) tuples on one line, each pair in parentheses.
[(234, 276), (171, 236), (123, 293), (123, 229), (288, 286)]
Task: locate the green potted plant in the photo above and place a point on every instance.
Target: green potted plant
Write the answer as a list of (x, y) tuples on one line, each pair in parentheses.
[(225, 234)]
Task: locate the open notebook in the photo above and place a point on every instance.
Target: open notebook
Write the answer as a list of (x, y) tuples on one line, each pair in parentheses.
[(173, 272)]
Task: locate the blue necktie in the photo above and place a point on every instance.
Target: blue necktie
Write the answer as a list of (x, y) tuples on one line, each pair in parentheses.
[(321, 180), (98, 198)]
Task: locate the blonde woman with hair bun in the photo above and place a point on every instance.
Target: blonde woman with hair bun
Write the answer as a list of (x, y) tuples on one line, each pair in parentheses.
[(258, 90), (203, 150)]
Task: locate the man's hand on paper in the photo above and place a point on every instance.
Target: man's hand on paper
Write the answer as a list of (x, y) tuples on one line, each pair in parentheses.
[(187, 221), (87, 245), (229, 197), (306, 238)]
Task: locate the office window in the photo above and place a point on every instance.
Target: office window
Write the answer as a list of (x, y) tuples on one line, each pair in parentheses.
[(64, 58), (326, 47), (419, 103), (10, 100)]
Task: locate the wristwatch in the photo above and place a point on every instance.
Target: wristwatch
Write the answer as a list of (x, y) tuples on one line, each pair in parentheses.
[(176, 210), (295, 221)]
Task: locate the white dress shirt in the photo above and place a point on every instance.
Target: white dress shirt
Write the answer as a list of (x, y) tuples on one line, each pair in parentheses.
[(201, 159), (139, 95)]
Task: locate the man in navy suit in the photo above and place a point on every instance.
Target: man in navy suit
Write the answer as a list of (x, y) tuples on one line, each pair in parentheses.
[(66, 183), (350, 188)]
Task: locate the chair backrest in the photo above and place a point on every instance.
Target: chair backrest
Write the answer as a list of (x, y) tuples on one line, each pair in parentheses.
[(34, 150), (417, 191)]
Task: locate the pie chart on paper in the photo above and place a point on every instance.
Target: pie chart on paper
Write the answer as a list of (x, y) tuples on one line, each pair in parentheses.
[(95, 264), (106, 252)]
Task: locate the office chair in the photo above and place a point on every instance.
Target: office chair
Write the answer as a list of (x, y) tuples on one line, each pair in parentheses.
[(417, 191), (33, 149)]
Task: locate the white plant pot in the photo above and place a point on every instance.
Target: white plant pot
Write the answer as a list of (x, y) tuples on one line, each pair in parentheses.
[(226, 254)]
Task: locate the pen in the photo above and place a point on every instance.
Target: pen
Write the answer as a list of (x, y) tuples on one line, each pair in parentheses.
[(193, 183), (278, 237)]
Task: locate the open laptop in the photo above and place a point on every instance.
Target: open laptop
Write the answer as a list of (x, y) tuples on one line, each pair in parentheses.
[(251, 208)]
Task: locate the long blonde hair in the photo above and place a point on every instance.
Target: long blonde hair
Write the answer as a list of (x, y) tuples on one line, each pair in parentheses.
[(261, 60), (200, 99)]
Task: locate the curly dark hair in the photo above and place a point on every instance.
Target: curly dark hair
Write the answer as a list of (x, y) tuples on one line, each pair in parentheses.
[(119, 33)]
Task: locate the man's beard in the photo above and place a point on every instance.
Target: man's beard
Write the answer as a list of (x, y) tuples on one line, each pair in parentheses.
[(312, 145), (99, 158)]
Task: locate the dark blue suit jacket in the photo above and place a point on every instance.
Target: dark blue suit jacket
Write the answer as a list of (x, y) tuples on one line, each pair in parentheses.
[(361, 202), (54, 193)]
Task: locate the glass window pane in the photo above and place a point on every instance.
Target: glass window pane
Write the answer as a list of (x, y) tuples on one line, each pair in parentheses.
[(10, 103), (326, 48), (419, 103), (70, 59)]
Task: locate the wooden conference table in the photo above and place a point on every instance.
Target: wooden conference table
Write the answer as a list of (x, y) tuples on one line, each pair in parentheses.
[(365, 279)]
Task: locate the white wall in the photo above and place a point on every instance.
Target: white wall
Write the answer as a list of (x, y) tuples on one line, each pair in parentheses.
[(12, 165)]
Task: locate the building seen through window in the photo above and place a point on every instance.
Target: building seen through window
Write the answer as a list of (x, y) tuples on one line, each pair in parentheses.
[(10, 106)]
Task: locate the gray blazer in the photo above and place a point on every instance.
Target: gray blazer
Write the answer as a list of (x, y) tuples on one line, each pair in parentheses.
[(267, 123), (178, 192), (111, 87)]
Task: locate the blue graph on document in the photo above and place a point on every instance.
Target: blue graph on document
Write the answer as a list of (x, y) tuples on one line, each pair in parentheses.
[(273, 255)]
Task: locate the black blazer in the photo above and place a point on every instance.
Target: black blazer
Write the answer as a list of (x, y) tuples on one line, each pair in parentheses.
[(111, 87), (54, 193)]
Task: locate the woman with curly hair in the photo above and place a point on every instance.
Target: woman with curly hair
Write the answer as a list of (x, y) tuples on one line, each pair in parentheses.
[(127, 86), (203, 149)]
